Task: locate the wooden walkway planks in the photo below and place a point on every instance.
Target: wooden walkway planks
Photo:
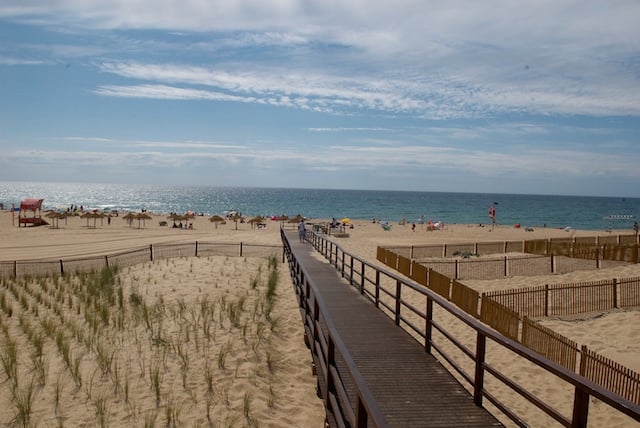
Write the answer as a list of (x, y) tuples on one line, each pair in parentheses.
[(412, 388)]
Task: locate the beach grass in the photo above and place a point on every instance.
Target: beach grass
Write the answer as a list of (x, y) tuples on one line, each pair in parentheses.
[(83, 337)]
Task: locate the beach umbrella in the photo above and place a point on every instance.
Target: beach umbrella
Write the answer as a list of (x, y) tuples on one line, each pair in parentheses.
[(143, 217), (256, 220), (55, 216), (345, 220), (297, 219), (91, 215), (216, 219), (235, 217), (129, 218)]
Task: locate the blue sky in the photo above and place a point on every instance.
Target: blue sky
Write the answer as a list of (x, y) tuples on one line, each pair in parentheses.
[(494, 96)]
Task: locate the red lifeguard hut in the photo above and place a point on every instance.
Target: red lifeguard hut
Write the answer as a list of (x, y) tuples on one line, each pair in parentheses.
[(30, 212)]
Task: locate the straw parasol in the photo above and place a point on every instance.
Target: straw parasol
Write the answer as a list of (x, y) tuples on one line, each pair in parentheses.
[(297, 219), (92, 215), (55, 216), (143, 217), (129, 218), (216, 219), (235, 217), (256, 220)]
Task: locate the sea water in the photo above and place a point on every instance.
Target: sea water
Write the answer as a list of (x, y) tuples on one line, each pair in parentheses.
[(580, 212)]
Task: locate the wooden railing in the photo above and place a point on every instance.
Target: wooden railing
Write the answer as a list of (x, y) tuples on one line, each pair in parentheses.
[(386, 290), (327, 347)]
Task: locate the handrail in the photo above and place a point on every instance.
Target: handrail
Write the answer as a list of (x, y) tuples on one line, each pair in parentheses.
[(326, 348), (583, 388)]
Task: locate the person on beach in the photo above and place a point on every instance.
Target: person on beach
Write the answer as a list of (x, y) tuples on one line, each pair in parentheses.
[(492, 216), (301, 231)]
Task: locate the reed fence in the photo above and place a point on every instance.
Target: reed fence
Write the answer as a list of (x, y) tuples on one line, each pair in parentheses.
[(20, 268), (509, 311), (547, 342), (570, 299), (610, 375)]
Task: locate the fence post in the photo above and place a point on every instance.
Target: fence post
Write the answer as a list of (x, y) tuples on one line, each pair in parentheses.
[(151, 252), (362, 277), (444, 250), (614, 289), (15, 269), (106, 261), (455, 270), (61, 267), (240, 248), (506, 272), (553, 263), (196, 248), (546, 300), (478, 383)]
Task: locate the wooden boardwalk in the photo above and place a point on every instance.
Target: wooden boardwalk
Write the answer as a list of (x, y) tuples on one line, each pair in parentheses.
[(410, 386)]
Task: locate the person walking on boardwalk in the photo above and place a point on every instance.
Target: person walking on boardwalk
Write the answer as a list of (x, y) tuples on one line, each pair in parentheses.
[(301, 231), (492, 215)]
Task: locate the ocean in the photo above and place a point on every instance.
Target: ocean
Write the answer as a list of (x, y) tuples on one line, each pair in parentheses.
[(580, 212)]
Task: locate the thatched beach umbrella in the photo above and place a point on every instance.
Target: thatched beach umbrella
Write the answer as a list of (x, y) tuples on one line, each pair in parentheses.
[(235, 217), (297, 219), (129, 218), (91, 215), (216, 219), (143, 217), (55, 216), (256, 220)]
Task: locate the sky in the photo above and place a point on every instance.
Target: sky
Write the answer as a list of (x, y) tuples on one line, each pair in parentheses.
[(526, 97)]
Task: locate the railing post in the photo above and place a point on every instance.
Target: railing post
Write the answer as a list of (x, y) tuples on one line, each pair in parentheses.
[(580, 408), (330, 360), (15, 269), (377, 288), (455, 270), (342, 267), (151, 252), (241, 249), (478, 384), (106, 261), (61, 267), (614, 289), (398, 299), (196, 248), (362, 273), (351, 271), (427, 326), (361, 415)]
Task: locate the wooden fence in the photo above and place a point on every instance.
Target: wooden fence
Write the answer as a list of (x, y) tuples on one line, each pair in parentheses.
[(509, 311), (610, 375), (547, 342), (20, 268), (570, 299)]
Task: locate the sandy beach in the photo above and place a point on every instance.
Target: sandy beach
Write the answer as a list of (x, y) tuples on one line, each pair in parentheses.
[(267, 381)]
